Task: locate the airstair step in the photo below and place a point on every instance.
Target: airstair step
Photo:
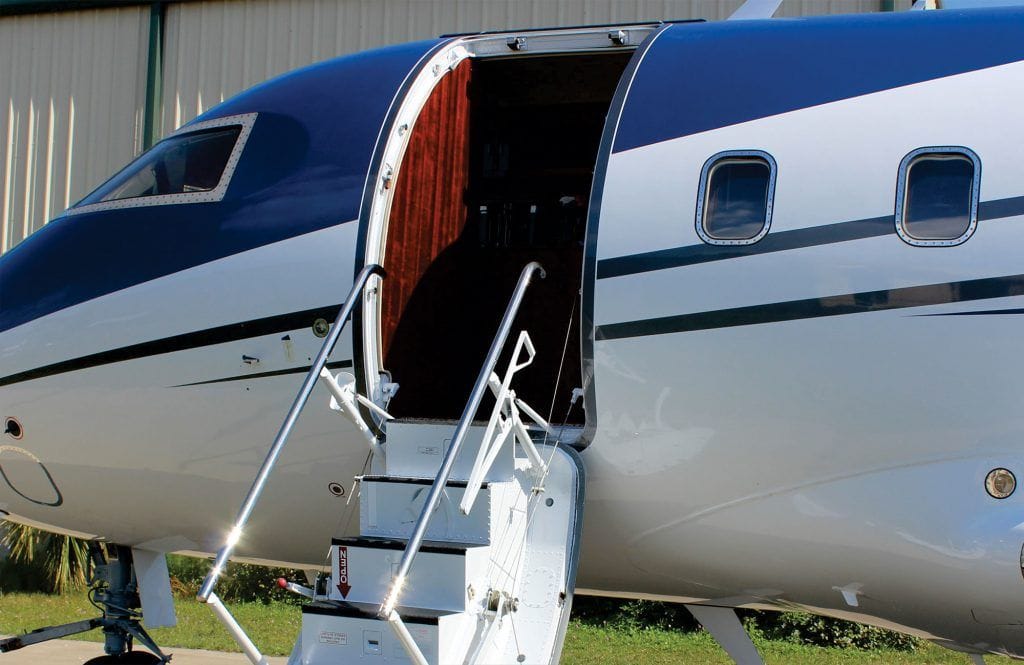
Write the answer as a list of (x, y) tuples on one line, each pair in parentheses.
[(431, 546), (340, 632), (493, 586), (389, 508), (362, 610), (416, 448), (413, 480), (446, 575)]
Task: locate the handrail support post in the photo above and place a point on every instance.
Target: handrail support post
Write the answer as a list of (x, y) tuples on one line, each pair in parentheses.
[(347, 402)]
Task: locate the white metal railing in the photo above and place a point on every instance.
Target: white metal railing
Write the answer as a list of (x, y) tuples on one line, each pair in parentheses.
[(506, 421), (206, 594), (387, 609), (346, 401)]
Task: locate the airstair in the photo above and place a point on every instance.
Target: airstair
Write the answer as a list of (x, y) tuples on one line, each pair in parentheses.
[(468, 531)]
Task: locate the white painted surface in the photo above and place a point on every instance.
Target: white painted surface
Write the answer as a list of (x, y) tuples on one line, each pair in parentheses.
[(528, 558), (390, 509), (415, 450), (438, 581), (154, 588)]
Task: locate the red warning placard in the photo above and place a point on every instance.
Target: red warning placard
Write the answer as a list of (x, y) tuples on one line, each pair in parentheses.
[(341, 578)]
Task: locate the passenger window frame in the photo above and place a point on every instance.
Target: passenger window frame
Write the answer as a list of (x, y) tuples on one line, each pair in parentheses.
[(702, 194), (901, 194), (245, 121)]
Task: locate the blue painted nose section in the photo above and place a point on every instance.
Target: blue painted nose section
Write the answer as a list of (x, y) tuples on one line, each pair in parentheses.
[(303, 168)]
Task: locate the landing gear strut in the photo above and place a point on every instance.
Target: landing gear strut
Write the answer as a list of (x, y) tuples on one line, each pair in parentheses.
[(115, 592)]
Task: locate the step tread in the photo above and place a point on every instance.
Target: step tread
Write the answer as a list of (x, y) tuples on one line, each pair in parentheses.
[(341, 608), (383, 543), (417, 481), (434, 421)]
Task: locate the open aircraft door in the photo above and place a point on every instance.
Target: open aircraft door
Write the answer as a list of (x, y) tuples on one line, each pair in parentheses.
[(486, 164), (617, 202)]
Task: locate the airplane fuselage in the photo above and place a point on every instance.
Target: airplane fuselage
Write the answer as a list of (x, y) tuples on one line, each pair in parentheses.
[(803, 415)]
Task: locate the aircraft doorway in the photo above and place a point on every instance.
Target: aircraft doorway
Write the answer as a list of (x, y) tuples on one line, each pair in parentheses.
[(497, 173)]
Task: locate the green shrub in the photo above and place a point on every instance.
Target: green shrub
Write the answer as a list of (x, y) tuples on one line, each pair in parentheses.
[(240, 582), (805, 628), (625, 614), (23, 577), (796, 627)]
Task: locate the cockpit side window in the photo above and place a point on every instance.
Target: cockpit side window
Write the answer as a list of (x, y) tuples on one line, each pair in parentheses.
[(187, 163), (193, 165)]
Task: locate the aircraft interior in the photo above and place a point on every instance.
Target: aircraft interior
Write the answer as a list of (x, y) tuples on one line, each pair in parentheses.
[(497, 173)]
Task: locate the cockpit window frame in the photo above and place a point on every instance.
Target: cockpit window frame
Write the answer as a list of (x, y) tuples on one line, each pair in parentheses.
[(702, 194), (906, 163), (245, 121)]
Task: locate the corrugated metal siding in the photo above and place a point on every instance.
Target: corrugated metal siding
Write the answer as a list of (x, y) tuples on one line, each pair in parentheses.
[(792, 8), (215, 48), (71, 103)]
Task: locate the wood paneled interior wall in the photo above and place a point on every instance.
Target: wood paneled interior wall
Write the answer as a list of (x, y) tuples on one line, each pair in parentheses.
[(427, 220)]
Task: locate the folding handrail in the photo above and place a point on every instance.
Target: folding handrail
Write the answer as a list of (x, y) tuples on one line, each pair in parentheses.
[(387, 608), (312, 376), (506, 421)]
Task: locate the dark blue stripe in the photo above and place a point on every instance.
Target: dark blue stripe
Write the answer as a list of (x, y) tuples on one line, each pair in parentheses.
[(982, 312), (231, 332), (337, 364), (809, 308), (303, 169), (780, 241), (774, 242), (704, 76)]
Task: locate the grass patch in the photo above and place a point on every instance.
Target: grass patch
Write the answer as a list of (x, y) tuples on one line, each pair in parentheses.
[(275, 626), (589, 645)]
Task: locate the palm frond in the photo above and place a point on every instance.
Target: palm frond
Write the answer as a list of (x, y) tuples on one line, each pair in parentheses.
[(64, 559)]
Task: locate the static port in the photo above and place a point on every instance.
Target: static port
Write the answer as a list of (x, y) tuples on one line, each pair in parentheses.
[(321, 327), (13, 428)]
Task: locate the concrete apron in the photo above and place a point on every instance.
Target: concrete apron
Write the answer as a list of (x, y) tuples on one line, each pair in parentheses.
[(71, 652)]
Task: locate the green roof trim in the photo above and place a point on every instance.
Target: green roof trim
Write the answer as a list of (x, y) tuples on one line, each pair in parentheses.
[(152, 121)]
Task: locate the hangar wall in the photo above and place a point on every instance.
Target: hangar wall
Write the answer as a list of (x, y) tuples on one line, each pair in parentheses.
[(74, 83), (258, 39), (71, 104)]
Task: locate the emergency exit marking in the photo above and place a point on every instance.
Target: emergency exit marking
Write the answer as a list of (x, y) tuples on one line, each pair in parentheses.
[(343, 586)]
